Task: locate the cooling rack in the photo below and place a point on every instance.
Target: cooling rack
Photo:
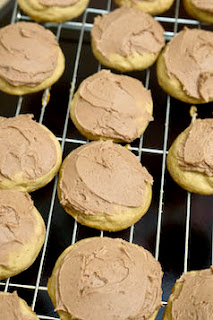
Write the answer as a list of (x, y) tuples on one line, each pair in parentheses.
[(178, 226)]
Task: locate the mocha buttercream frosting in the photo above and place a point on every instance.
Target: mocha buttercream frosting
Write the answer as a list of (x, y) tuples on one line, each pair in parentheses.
[(58, 3), (126, 31), (104, 278), (11, 309), (17, 223), (114, 106), (188, 57), (195, 300), (100, 176), (26, 148), (204, 5), (28, 54), (196, 150)]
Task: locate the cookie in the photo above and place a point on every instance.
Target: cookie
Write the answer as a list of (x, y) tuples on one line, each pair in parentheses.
[(111, 106), (127, 39), (190, 158), (105, 278), (192, 297), (103, 185), (22, 232), (200, 10), (153, 7), (30, 58), (13, 307), (53, 10), (30, 154), (185, 69)]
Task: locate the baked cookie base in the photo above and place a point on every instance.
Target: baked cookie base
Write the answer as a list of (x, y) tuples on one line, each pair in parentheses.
[(20, 183), (26, 311), (53, 13), (91, 136), (151, 7), (20, 260), (22, 90), (189, 180), (51, 285), (119, 220), (194, 12), (172, 85), (125, 64)]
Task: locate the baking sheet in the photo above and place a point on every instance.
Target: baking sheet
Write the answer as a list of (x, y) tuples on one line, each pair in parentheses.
[(177, 229)]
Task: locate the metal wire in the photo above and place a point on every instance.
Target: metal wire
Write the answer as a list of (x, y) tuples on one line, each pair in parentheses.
[(83, 27)]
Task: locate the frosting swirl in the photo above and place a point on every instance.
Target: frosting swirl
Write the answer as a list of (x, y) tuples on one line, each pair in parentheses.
[(111, 277), (188, 57), (118, 33), (24, 147), (114, 106), (196, 151), (100, 176), (28, 54), (195, 300)]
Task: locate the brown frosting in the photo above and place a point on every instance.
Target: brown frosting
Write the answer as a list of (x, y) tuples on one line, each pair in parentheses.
[(28, 54), (119, 33), (204, 5), (109, 277), (114, 106), (195, 300), (58, 3), (25, 145), (196, 150), (17, 223), (100, 176), (188, 57), (10, 308)]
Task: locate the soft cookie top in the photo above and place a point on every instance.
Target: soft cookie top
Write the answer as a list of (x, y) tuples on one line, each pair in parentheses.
[(112, 106), (28, 54), (188, 58), (109, 277)]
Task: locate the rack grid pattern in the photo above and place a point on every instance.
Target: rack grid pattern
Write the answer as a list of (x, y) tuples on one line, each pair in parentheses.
[(84, 27)]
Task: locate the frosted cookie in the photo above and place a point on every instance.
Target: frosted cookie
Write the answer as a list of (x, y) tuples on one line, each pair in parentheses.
[(103, 185), (53, 10), (105, 278), (22, 233), (30, 58), (111, 106), (127, 39), (30, 154), (153, 7), (200, 9), (190, 158), (185, 69), (14, 308), (192, 297)]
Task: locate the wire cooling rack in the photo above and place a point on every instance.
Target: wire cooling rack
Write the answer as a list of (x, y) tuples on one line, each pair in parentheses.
[(178, 226)]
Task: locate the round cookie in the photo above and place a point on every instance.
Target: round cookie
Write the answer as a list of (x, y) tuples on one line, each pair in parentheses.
[(127, 39), (30, 154), (104, 186), (111, 106), (13, 307), (192, 297), (105, 278), (53, 10), (153, 7), (200, 10), (22, 232), (189, 160), (30, 58), (185, 69)]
